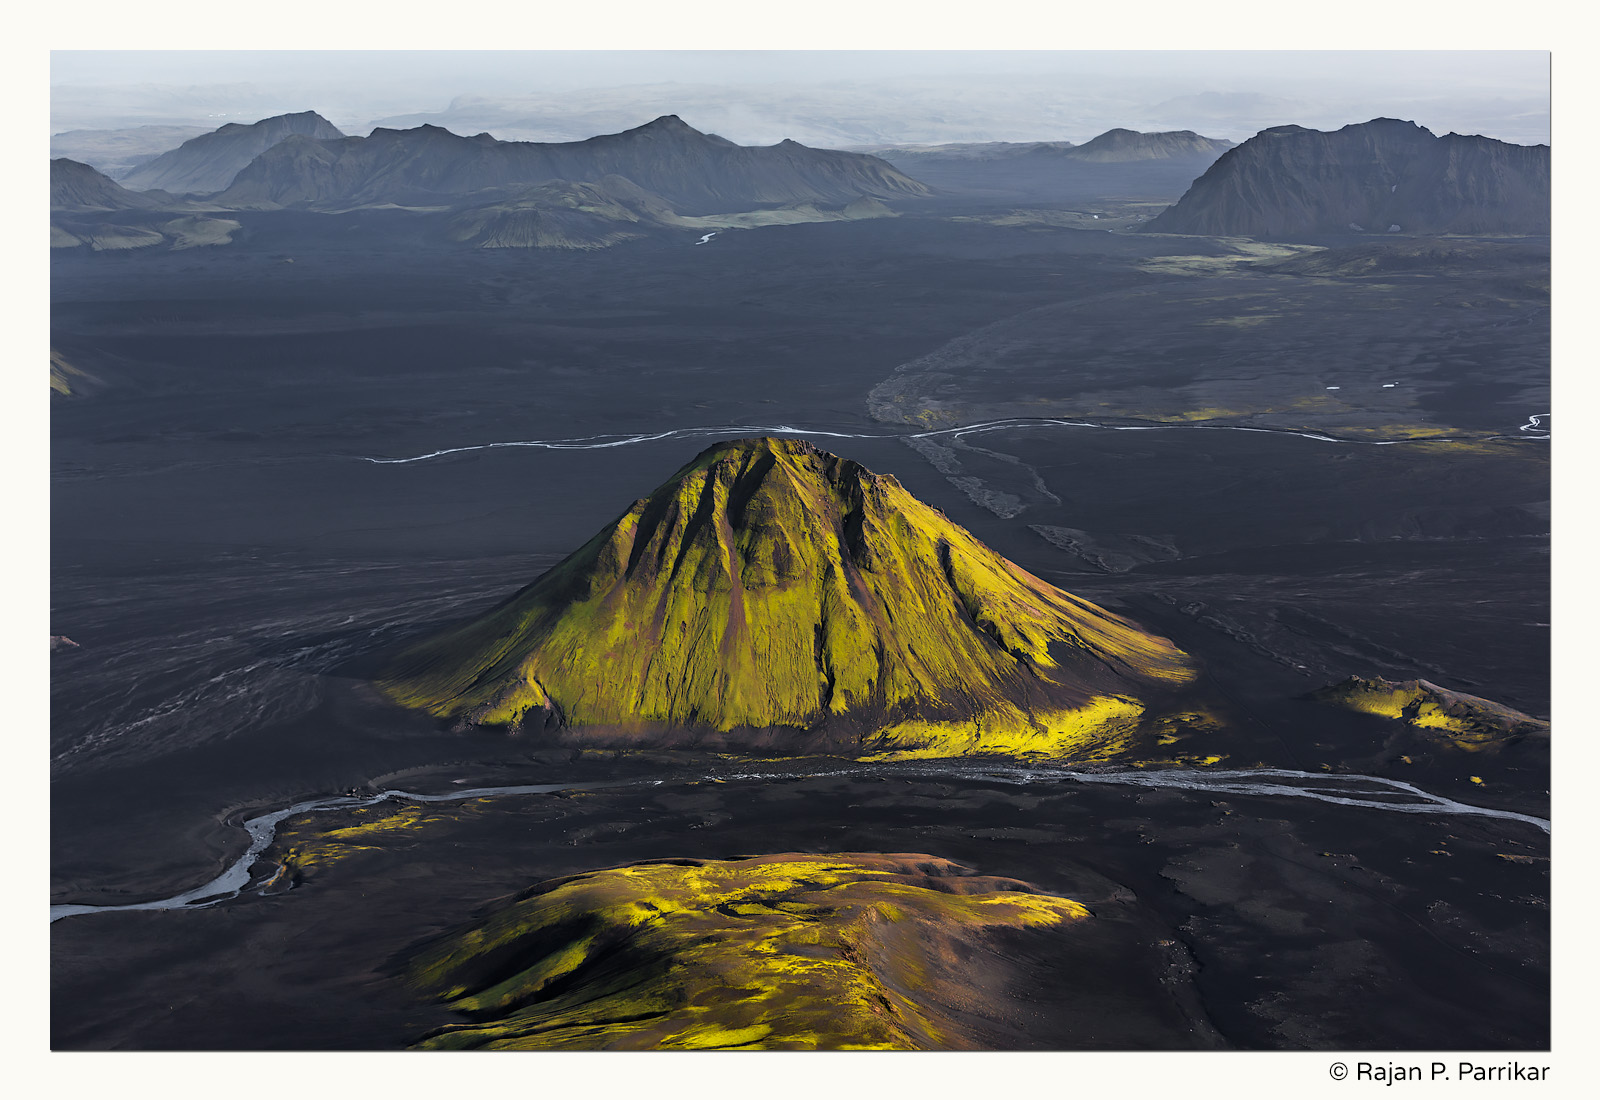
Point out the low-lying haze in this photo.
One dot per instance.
(816, 97)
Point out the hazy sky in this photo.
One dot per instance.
(974, 95)
(1509, 71)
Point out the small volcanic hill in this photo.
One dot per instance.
(78, 188)
(561, 214)
(209, 162)
(1119, 145)
(779, 952)
(694, 172)
(1378, 177)
(773, 595)
(1465, 721)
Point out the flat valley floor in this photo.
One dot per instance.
(298, 451)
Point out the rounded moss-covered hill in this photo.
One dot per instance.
(1455, 718)
(783, 952)
(773, 595)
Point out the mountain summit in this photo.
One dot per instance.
(1381, 176)
(771, 594)
(209, 162)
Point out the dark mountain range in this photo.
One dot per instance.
(696, 173)
(1379, 177)
(78, 188)
(209, 162)
(771, 594)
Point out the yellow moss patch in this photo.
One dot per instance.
(1401, 431)
(305, 846)
(789, 951)
(62, 373)
(1098, 731)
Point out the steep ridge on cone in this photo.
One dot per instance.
(771, 593)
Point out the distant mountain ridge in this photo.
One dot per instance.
(696, 173)
(1112, 147)
(1379, 176)
(1119, 145)
(1118, 164)
(118, 152)
(209, 162)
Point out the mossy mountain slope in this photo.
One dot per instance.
(772, 594)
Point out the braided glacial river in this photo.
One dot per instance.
(1362, 791)
(1534, 429)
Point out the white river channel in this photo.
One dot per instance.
(1532, 430)
(1362, 791)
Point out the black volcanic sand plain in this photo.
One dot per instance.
(232, 567)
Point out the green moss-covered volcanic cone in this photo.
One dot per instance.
(771, 594)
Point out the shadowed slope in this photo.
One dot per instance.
(793, 952)
(770, 588)
(78, 187)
